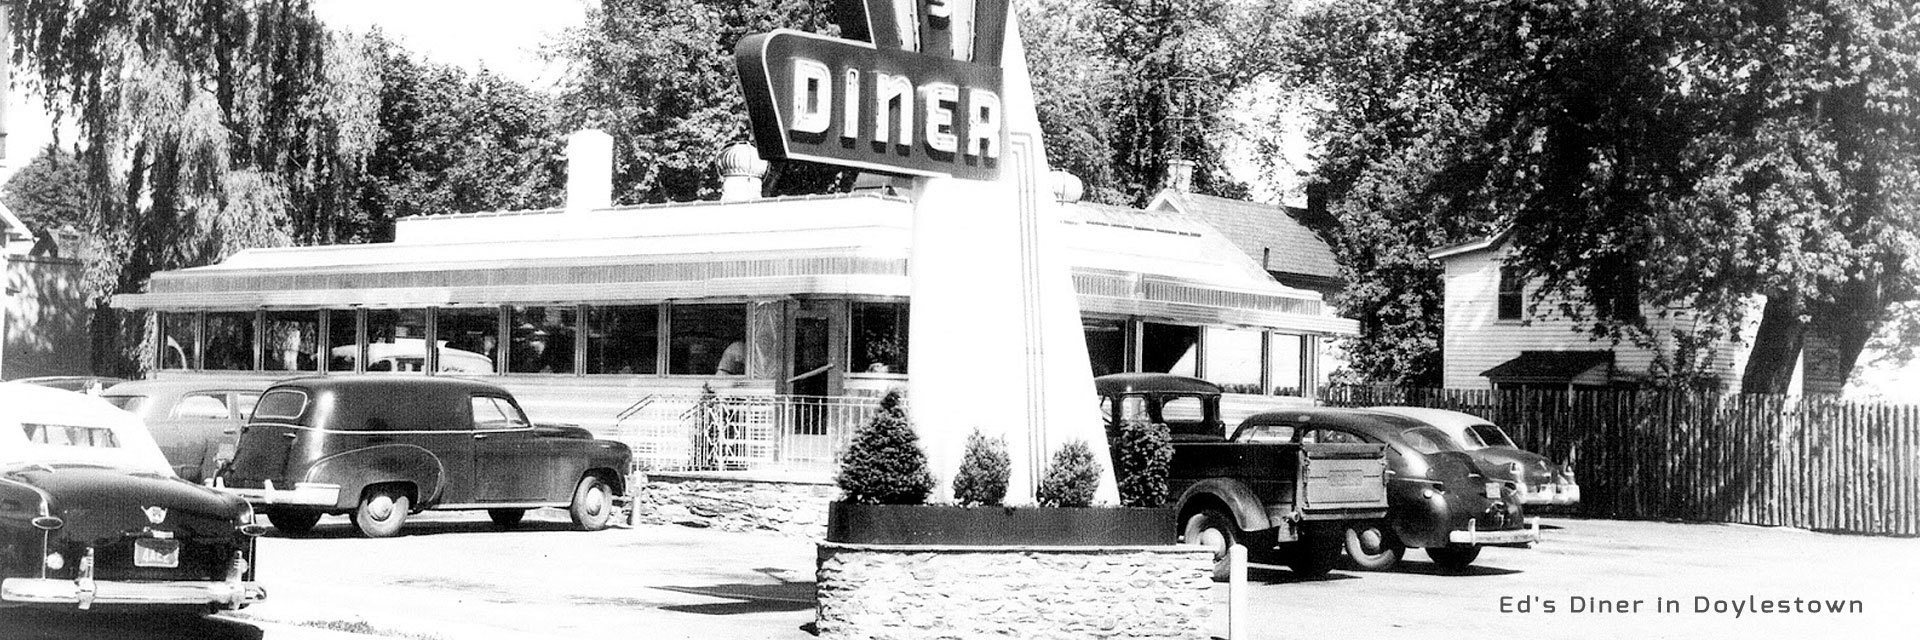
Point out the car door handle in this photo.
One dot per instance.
(290, 435)
(479, 436)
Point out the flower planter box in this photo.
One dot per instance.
(920, 524)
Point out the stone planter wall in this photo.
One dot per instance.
(913, 592)
(787, 505)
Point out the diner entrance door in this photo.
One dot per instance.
(812, 380)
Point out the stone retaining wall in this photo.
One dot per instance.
(923, 592)
(736, 502)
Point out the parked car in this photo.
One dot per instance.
(1286, 502)
(1439, 498)
(196, 420)
(91, 514)
(83, 384)
(382, 447)
(1541, 482)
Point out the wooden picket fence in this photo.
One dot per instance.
(1755, 459)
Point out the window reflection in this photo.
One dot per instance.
(1169, 348)
(177, 347)
(622, 339)
(343, 341)
(467, 338)
(397, 340)
(708, 339)
(229, 341)
(292, 341)
(879, 337)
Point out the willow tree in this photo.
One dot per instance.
(203, 126)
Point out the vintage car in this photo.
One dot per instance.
(381, 447)
(1542, 483)
(1439, 498)
(195, 420)
(91, 514)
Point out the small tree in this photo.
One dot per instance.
(1142, 451)
(1072, 477)
(984, 469)
(884, 463)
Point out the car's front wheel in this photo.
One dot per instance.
(293, 522)
(592, 508)
(382, 511)
(1372, 547)
(1216, 531)
(1454, 556)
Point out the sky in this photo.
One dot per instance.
(502, 36)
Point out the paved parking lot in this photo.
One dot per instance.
(454, 577)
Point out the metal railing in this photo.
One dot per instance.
(711, 432)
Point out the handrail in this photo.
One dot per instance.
(634, 408)
(823, 369)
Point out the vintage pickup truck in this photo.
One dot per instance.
(1287, 503)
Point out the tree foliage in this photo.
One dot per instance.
(1125, 85)
(1647, 154)
(455, 142)
(659, 76)
(1142, 453)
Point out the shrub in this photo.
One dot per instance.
(884, 463)
(1071, 478)
(984, 470)
(1141, 453)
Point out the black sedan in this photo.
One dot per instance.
(1439, 499)
(91, 515)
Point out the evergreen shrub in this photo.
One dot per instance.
(984, 470)
(884, 463)
(1141, 453)
(1071, 478)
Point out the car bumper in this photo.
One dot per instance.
(85, 594)
(308, 494)
(1551, 495)
(1505, 537)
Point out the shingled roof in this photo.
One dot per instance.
(1262, 231)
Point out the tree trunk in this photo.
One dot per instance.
(1776, 346)
(1837, 332)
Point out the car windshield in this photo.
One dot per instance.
(1429, 440)
(1484, 435)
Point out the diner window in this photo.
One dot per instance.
(1106, 344)
(397, 340)
(879, 337)
(543, 341)
(468, 339)
(707, 339)
(1284, 353)
(622, 339)
(179, 335)
(229, 341)
(292, 341)
(1512, 293)
(1169, 348)
(1233, 359)
(343, 340)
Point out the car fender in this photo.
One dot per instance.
(357, 469)
(1247, 509)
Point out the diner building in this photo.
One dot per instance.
(591, 313)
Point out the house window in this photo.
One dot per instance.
(879, 337)
(1512, 287)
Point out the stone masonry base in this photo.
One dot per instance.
(904, 592)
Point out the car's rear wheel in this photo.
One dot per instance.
(1371, 547)
(1215, 530)
(293, 521)
(1317, 550)
(1454, 556)
(382, 511)
(592, 507)
(506, 518)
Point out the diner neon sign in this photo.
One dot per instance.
(875, 102)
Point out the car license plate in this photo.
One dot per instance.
(163, 554)
(1493, 490)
